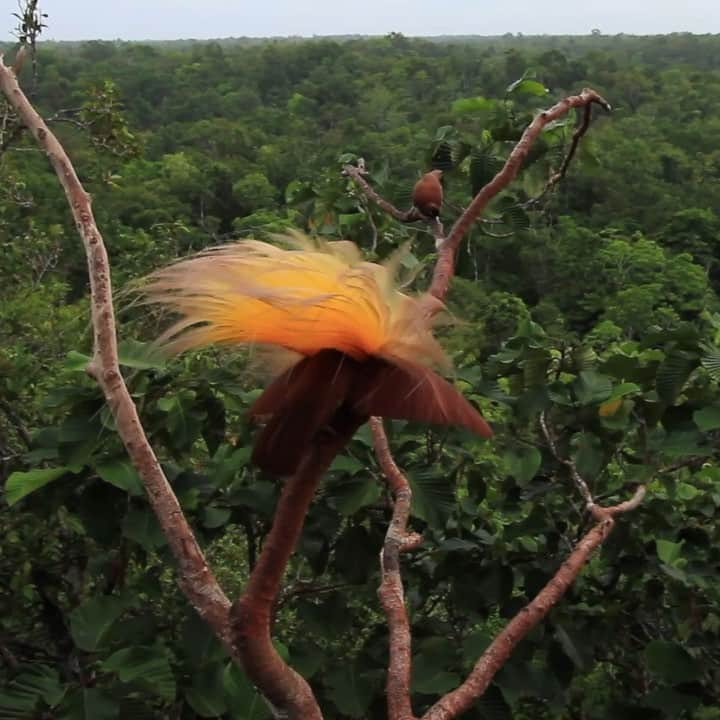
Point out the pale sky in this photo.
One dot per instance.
(172, 19)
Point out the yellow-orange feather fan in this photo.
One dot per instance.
(366, 345)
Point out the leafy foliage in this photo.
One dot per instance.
(594, 304)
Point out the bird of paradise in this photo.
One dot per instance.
(361, 346)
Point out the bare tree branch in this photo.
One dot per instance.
(251, 614)
(445, 265)
(397, 538)
(195, 577)
(391, 591)
(460, 699)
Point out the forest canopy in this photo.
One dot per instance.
(585, 324)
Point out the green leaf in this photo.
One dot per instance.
(214, 516)
(141, 525)
(672, 703)
(346, 464)
(20, 484)
(513, 215)
(523, 463)
(91, 621)
(148, 665)
(483, 168)
(350, 494)
(242, 699)
(350, 691)
(90, 704)
(433, 496)
(432, 665)
(668, 552)
(207, 694)
(708, 418)
(22, 696)
(588, 454)
(473, 106)
(139, 355)
(528, 86)
(592, 387)
(673, 372)
(493, 706)
(681, 443)
(76, 361)
(711, 360)
(671, 662)
(475, 644)
(121, 474)
(624, 389)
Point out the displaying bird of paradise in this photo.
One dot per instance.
(361, 346)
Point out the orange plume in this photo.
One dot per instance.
(427, 195)
(366, 346)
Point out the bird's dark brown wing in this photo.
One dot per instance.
(404, 390)
(302, 400)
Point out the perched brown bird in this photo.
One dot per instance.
(365, 347)
(427, 195)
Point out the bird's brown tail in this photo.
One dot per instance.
(334, 394)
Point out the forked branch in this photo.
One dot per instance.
(447, 252)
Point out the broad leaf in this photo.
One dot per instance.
(708, 418)
(433, 496)
(148, 665)
(350, 691)
(91, 621)
(121, 474)
(673, 373)
(523, 463)
(21, 484)
(671, 662)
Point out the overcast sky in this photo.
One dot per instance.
(168, 19)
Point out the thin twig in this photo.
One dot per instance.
(579, 481)
(16, 422)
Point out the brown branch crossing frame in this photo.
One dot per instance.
(244, 626)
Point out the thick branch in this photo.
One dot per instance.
(251, 615)
(196, 579)
(391, 591)
(445, 265)
(459, 700)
